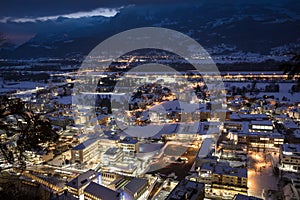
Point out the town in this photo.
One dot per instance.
(157, 135)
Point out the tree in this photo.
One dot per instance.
(21, 130)
(292, 67)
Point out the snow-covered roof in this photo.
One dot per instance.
(206, 147)
(290, 125)
(290, 149)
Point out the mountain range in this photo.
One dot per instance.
(269, 28)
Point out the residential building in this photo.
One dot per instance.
(226, 175)
(262, 141)
(261, 126)
(223, 180)
(186, 189)
(85, 151)
(103, 119)
(257, 141)
(248, 117)
(205, 172)
(136, 189)
(295, 113)
(290, 125)
(129, 145)
(289, 158)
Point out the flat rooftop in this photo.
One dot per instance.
(262, 122)
(232, 171)
(84, 144)
(244, 197)
(290, 149)
(206, 147)
(136, 184)
(112, 151)
(187, 190)
(129, 140)
(101, 192)
(83, 179)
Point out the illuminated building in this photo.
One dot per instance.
(257, 141)
(263, 125)
(112, 155)
(187, 190)
(78, 184)
(205, 152)
(108, 140)
(129, 145)
(223, 180)
(95, 191)
(135, 189)
(289, 158)
(108, 179)
(51, 183)
(85, 151)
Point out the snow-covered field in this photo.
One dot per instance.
(284, 90)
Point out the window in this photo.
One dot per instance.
(295, 167)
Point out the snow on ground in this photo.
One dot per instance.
(284, 89)
(22, 85)
(64, 100)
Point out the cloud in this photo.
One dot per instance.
(105, 12)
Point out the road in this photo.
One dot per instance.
(260, 175)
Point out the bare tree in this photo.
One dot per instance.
(21, 130)
(292, 67)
